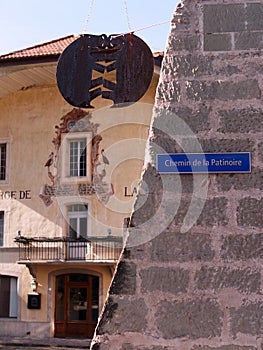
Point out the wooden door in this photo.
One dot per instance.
(77, 305)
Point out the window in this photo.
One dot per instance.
(3, 158)
(78, 220)
(76, 157)
(8, 296)
(1, 228)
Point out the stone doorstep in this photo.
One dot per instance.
(65, 343)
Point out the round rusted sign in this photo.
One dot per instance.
(127, 55)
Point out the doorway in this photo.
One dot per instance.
(77, 305)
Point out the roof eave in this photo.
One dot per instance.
(29, 60)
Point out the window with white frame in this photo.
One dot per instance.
(8, 296)
(1, 228)
(3, 161)
(76, 157)
(77, 220)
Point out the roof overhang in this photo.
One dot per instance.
(21, 74)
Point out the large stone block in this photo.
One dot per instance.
(187, 65)
(183, 43)
(182, 247)
(248, 40)
(260, 151)
(145, 208)
(109, 312)
(123, 315)
(214, 278)
(214, 212)
(224, 18)
(213, 145)
(250, 212)
(169, 91)
(223, 90)
(254, 16)
(225, 68)
(125, 279)
(248, 319)
(166, 123)
(244, 120)
(198, 145)
(150, 196)
(169, 280)
(218, 42)
(242, 247)
(240, 181)
(191, 319)
(202, 212)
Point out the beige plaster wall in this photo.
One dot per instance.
(27, 121)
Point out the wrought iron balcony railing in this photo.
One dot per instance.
(96, 249)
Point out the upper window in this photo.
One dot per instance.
(76, 157)
(8, 296)
(78, 220)
(1, 229)
(3, 161)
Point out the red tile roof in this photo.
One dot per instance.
(51, 48)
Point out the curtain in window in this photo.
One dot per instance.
(8, 296)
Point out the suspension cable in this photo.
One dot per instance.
(88, 16)
(127, 15)
(142, 28)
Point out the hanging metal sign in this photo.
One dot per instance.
(82, 60)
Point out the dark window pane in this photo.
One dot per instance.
(8, 296)
(2, 161)
(60, 298)
(73, 227)
(1, 228)
(95, 298)
(83, 227)
(78, 304)
(82, 160)
(4, 296)
(78, 278)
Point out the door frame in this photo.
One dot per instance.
(52, 291)
(76, 315)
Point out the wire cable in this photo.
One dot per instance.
(142, 28)
(88, 16)
(127, 15)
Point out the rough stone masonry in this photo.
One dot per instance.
(199, 288)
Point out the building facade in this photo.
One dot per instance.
(68, 180)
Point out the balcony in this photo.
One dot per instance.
(95, 249)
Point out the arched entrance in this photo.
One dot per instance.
(77, 305)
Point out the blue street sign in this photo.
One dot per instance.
(189, 163)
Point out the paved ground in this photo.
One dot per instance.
(20, 347)
(48, 344)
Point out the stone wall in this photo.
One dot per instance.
(190, 277)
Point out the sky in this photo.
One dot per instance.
(25, 23)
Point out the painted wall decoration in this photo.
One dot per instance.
(76, 121)
(127, 55)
